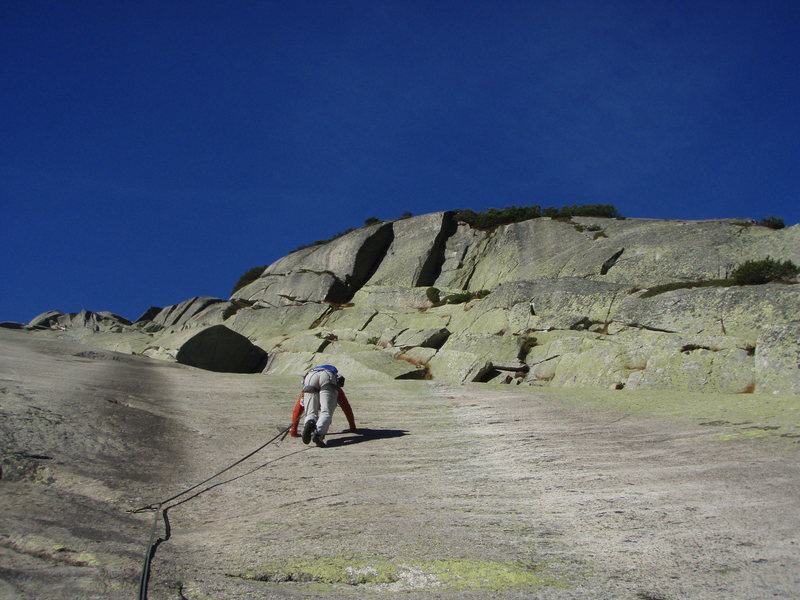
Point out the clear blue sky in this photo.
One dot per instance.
(153, 151)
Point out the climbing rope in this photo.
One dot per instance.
(159, 509)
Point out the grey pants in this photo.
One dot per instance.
(320, 394)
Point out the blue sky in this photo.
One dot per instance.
(154, 151)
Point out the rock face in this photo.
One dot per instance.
(85, 319)
(330, 272)
(566, 306)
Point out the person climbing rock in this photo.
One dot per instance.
(322, 392)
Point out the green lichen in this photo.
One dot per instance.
(491, 576)
(87, 559)
(398, 574)
(766, 417)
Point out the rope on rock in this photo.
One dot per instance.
(159, 509)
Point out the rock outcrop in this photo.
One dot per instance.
(561, 304)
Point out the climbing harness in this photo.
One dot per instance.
(160, 509)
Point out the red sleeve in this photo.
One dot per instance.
(296, 414)
(348, 412)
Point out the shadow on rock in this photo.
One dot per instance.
(365, 435)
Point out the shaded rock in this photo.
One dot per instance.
(150, 314)
(85, 319)
(464, 249)
(179, 314)
(417, 252)
(332, 271)
(45, 320)
(466, 357)
(221, 349)
(515, 365)
(426, 338)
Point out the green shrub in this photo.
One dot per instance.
(590, 210)
(772, 222)
(494, 217)
(459, 298)
(248, 276)
(599, 234)
(551, 212)
(683, 285)
(755, 272)
(234, 307)
(462, 297)
(371, 221)
(433, 295)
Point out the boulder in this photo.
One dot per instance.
(218, 348)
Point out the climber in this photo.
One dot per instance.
(322, 390)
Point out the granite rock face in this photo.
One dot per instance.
(193, 310)
(562, 304)
(330, 272)
(85, 319)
